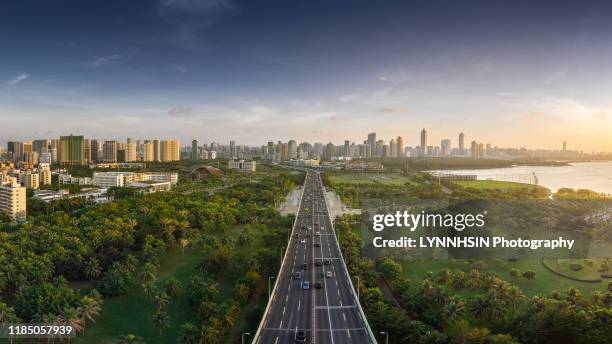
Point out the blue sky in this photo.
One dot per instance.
(512, 73)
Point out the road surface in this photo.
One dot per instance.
(329, 313)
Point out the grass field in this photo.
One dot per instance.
(370, 178)
(544, 282)
(133, 313)
(493, 184)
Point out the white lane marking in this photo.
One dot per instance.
(299, 304)
(284, 308)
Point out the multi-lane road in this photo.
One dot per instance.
(313, 300)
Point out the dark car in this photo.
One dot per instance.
(300, 337)
(319, 285)
(317, 244)
(297, 275)
(319, 262)
(305, 266)
(327, 262)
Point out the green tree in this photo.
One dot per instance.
(161, 320)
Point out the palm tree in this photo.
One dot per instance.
(453, 310)
(514, 273)
(438, 296)
(514, 296)
(529, 274)
(172, 286)
(7, 314)
(161, 300)
(188, 334)
(131, 263)
(149, 289)
(149, 272)
(71, 317)
(230, 314)
(131, 339)
(446, 277)
(161, 320)
(459, 280)
(90, 308)
(93, 269)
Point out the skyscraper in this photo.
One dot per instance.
(400, 147)
(424, 141)
(445, 147)
(292, 147)
(392, 149)
(372, 142)
(461, 143)
(95, 151)
(130, 152)
(147, 152)
(564, 146)
(71, 150)
(170, 150)
(109, 151)
(194, 149)
(156, 150)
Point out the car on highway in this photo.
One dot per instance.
(319, 285)
(327, 262)
(305, 266)
(300, 336)
(317, 244)
(303, 241)
(318, 233)
(319, 262)
(328, 274)
(297, 275)
(306, 285)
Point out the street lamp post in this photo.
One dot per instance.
(386, 337)
(245, 334)
(270, 278)
(357, 287)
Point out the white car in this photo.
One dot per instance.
(328, 274)
(303, 241)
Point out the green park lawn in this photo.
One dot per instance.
(370, 178)
(492, 184)
(543, 283)
(133, 313)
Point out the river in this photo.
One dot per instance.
(596, 176)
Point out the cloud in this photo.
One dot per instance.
(394, 109)
(19, 78)
(191, 16)
(348, 98)
(107, 60)
(179, 111)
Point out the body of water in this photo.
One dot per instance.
(596, 176)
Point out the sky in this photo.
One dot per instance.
(510, 73)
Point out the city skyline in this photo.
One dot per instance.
(223, 70)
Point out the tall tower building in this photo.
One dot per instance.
(156, 150)
(130, 152)
(292, 147)
(170, 150)
(564, 146)
(445, 147)
(109, 151)
(95, 151)
(194, 150)
(71, 150)
(462, 143)
(400, 147)
(372, 140)
(392, 149)
(147, 152)
(424, 141)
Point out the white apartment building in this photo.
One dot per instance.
(13, 199)
(242, 166)
(112, 179)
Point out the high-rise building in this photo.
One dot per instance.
(564, 146)
(292, 149)
(445, 147)
(41, 146)
(170, 150)
(109, 151)
(372, 140)
(13, 199)
(95, 151)
(233, 151)
(87, 151)
(392, 149)
(424, 141)
(71, 150)
(147, 152)
(194, 150)
(130, 152)
(156, 150)
(400, 147)
(462, 143)
(29, 180)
